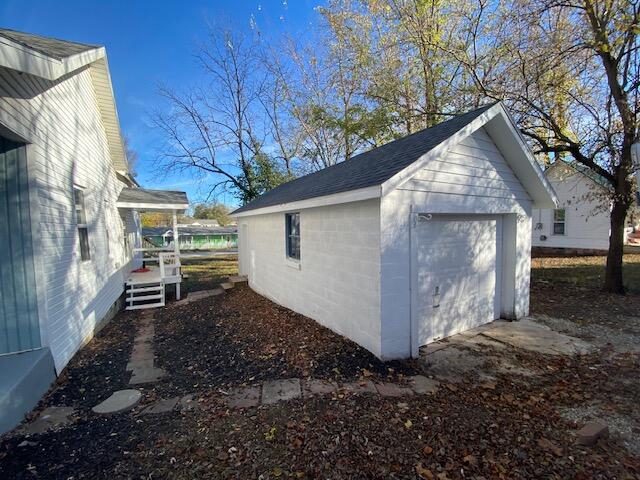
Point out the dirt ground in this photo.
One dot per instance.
(512, 426)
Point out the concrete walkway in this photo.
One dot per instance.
(272, 392)
(488, 350)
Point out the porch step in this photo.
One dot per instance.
(145, 289)
(135, 301)
(24, 379)
(145, 297)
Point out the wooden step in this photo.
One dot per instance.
(141, 298)
(145, 289)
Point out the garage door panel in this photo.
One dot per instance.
(457, 261)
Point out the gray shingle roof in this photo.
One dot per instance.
(153, 197)
(366, 169)
(52, 47)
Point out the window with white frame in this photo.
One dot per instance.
(292, 221)
(559, 221)
(81, 223)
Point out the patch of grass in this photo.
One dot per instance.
(206, 273)
(583, 272)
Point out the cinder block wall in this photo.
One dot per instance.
(337, 281)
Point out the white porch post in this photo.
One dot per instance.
(176, 248)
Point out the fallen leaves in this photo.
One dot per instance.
(549, 446)
(270, 435)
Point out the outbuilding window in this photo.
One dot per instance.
(292, 221)
(559, 219)
(81, 223)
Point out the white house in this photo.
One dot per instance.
(413, 241)
(581, 221)
(67, 237)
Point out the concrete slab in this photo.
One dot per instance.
(120, 401)
(318, 387)
(50, 418)
(139, 365)
(451, 363)
(146, 375)
(278, 390)
(238, 279)
(392, 390)
(538, 338)
(365, 386)
(188, 403)
(24, 378)
(142, 351)
(478, 341)
(162, 406)
(227, 285)
(422, 385)
(246, 397)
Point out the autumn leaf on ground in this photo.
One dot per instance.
(270, 435)
(424, 472)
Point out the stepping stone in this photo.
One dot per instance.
(279, 390)
(143, 338)
(139, 365)
(388, 389)
(318, 387)
(120, 401)
(227, 285)
(146, 375)
(195, 296)
(244, 397)
(188, 403)
(142, 351)
(421, 384)
(238, 279)
(365, 386)
(591, 432)
(51, 417)
(162, 406)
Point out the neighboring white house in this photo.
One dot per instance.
(581, 221)
(66, 244)
(413, 241)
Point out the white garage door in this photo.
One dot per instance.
(458, 269)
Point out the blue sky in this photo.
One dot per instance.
(149, 43)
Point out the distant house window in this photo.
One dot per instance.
(559, 219)
(81, 222)
(293, 235)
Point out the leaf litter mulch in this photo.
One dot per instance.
(242, 338)
(509, 427)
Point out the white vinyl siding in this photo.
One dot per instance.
(474, 167)
(586, 208)
(472, 177)
(69, 147)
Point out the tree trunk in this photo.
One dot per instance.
(613, 274)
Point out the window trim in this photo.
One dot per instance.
(562, 222)
(80, 213)
(288, 236)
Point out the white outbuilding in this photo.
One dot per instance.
(408, 243)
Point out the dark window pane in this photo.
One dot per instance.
(558, 228)
(83, 236)
(292, 225)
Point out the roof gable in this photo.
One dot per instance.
(379, 171)
(51, 59)
(52, 47)
(367, 169)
